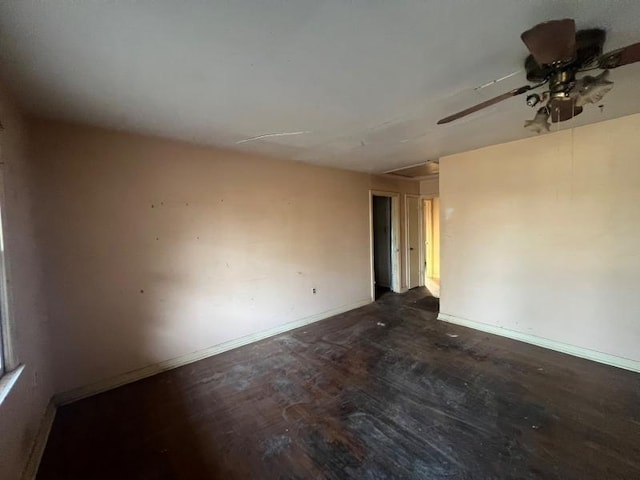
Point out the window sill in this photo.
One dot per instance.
(8, 380)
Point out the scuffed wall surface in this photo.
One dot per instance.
(541, 236)
(156, 249)
(22, 411)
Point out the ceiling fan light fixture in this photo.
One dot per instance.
(562, 109)
(540, 123)
(593, 89)
(533, 99)
(556, 53)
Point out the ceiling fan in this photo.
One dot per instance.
(558, 54)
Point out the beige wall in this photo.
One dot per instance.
(157, 249)
(22, 410)
(430, 187)
(388, 184)
(541, 236)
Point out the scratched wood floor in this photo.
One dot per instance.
(413, 398)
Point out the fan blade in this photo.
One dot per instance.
(622, 56)
(485, 104)
(589, 45)
(552, 42)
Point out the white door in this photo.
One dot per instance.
(413, 241)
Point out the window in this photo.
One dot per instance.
(4, 347)
(6, 358)
(3, 316)
(7, 361)
(9, 370)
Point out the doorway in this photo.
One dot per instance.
(414, 251)
(384, 243)
(381, 244)
(431, 219)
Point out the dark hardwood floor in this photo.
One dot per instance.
(385, 391)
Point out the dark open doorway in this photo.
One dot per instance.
(382, 244)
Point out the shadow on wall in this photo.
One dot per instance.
(158, 428)
(157, 249)
(247, 413)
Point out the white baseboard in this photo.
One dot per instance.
(132, 376)
(581, 352)
(31, 468)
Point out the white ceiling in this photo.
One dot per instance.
(364, 80)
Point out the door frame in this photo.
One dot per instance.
(421, 252)
(395, 240)
(427, 216)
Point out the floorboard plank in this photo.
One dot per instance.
(384, 391)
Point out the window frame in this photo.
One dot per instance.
(10, 369)
(8, 361)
